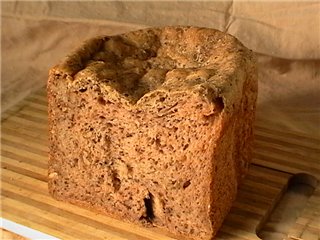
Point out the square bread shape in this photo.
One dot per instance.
(154, 127)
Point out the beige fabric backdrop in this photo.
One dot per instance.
(35, 35)
(281, 29)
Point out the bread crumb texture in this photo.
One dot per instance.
(154, 127)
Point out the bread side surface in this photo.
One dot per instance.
(153, 127)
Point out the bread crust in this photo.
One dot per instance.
(154, 127)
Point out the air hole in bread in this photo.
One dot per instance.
(148, 203)
(219, 103)
(130, 169)
(74, 162)
(82, 90)
(185, 146)
(116, 182)
(101, 101)
(186, 184)
(162, 99)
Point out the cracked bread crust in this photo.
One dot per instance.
(137, 63)
(154, 127)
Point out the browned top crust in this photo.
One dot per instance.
(136, 65)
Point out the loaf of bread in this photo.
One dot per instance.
(154, 127)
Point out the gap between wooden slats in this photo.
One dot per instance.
(250, 186)
(269, 175)
(315, 199)
(28, 160)
(282, 151)
(242, 220)
(43, 113)
(299, 164)
(26, 103)
(68, 209)
(74, 229)
(23, 165)
(294, 143)
(313, 223)
(264, 180)
(21, 123)
(25, 130)
(39, 106)
(310, 212)
(41, 110)
(300, 230)
(229, 236)
(25, 182)
(20, 144)
(22, 136)
(24, 153)
(253, 198)
(41, 92)
(249, 206)
(38, 99)
(267, 128)
(43, 117)
(235, 232)
(313, 202)
(24, 171)
(277, 164)
(30, 118)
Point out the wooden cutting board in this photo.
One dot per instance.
(25, 200)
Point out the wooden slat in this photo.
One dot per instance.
(23, 136)
(37, 114)
(21, 164)
(311, 167)
(236, 233)
(285, 152)
(268, 127)
(38, 99)
(31, 146)
(26, 172)
(22, 153)
(293, 143)
(30, 160)
(25, 130)
(39, 106)
(28, 123)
